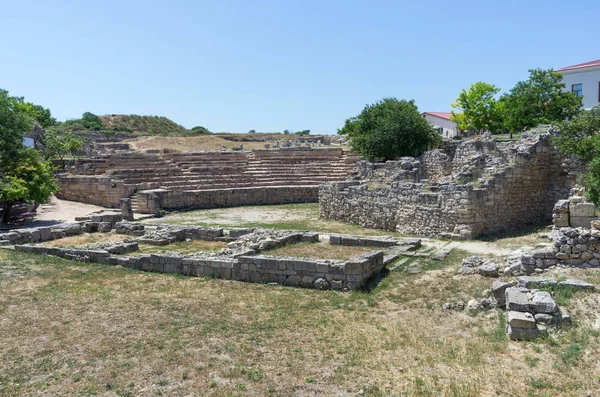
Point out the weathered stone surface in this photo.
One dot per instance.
(535, 282)
(488, 270)
(517, 299)
(542, 302)
(582, 210)
(525, 334)
(577, 284)
(520, 319)
(499, 292)
(126, 209)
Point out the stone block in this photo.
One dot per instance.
(542, 302)
(526, 334)
(582, 210)
(517, 299)
(499, 291)
(561, 220)
(520, 319)
(581, 221)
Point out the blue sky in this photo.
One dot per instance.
(274, 65)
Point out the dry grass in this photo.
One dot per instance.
(319, 250)
(182, 247)
(86, 238)
(201, 143)
(283, 216)
(192, 143)
(70, 328)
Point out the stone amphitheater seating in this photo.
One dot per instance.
(135, 172)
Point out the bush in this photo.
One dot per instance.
(581, 136)
(390, 129)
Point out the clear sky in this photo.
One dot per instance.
(278, 64)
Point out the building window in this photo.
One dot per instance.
(577, 89)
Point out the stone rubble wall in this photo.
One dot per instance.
(489, 187)
(320, 274)
(152, 201)
(577, 247)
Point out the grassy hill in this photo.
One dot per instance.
(152, 125)
(123, 124)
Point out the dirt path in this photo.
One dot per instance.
(65, 211)
(484, 248)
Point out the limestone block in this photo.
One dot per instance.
(561, 220)
(582, 210)
(517, 299)
(542, 302)
(520, 319)
(581, 221)
(523, 333)
(499, 291)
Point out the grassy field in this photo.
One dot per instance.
(79, 329)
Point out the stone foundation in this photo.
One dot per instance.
(320, 274)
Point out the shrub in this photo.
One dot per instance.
(390, 129)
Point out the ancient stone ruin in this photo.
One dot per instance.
(156, 181)
(467, 189)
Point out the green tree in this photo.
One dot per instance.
(59, 145)
(477, 108)
(200, 130)
(24, 175)
(390, 129)
(581, 136)
(38, 113)
(541, 99)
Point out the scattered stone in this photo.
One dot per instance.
(499, 292)
(520, 319)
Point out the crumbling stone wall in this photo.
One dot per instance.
(486, 187)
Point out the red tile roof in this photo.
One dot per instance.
(581, 65)
(441, 115)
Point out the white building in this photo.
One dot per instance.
(583, 80)
(441, 121)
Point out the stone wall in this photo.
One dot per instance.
(486, 187)
(98, 190)
(152, 201)
(320, 274)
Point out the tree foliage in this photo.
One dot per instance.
(38, 113)
(541, 99)
(390, 129)
(477, 108)
(60, 145)
(24, 175)
(581, 136)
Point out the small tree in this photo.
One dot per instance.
(477, 108)
(58, 146)
(24, 175)
(541, 99)
(581, 136)
(390, 129)
(200, 130)
(252, 132)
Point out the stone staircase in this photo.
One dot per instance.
(221, 170)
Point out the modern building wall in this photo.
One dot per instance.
(448, 127)
(589, 78)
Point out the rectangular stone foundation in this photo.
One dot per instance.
(306, 273)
